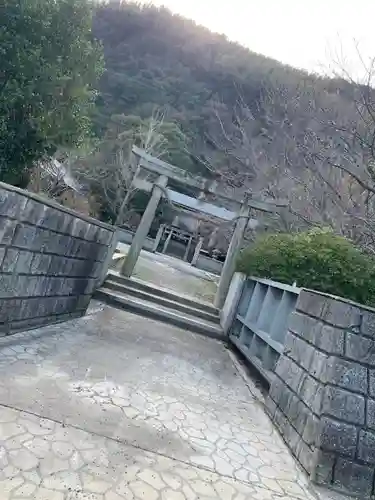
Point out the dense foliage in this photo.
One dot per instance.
(317, 260)
(48, 67)
(253, 123)
(154, 58)
(259, 125)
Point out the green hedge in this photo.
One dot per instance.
(315, 259)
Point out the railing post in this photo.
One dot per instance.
(230, 260)
(197, 250)
(158, 238)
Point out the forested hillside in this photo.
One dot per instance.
(82, 81)
(261, 125)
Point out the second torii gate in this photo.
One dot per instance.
(159, 189)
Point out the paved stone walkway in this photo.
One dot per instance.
(114, 406)
(169, 272)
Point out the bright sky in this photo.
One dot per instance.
(303, 33)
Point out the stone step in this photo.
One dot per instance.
(163, 292)
(162, 301)
(162, 313)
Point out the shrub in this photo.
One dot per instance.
(315, 259)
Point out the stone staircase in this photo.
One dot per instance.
(160, 303)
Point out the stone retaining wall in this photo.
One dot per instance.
(51, 260)
(322, 399)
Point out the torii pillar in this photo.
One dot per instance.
(230, 260)
(144, 227)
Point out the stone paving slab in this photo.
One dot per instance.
(150, 401)
(42, 460)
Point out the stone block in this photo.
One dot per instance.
(101, 253)
(289, 372)
(80, 268)
(367, 327)
(33, 212)
(372, 383)
(72, 303)
(40, 264)
(311, 430)
(27, 237)
(67, 226)
(305, 455)
(370, 414)
(338, 437)
(291, 437)
(92, 232)
(7, 230)
(348, 374)
(303, 326)
(276, 389)
(83, 302)
(2, 255)
(286, 395)
(72, 286)
(75, 268)
(6, 307)
(50, 241)
(353, 477)
(360, 348)
(24, 261)
(104, 236)
(344, 405)
(30, 286)
(270, 405)
(9, 263)
(40, 289)
(61, 305)
(319, 365)
(366, 446)
(51, 219)
(78, 286)
(74, 247)
(342, 314)
(323, 467)
(309, 391)
(8, 286)
(311, 303)
(65, 243)
(83, 250)
(11, 309)
(298, 350)
(11, 203)
(298, 414)
(28, 308)
(53, 286)
(56, 266)
(90, 287)
(96, 270)
(331, 340)
(289, 434)
(45, 307)
(79, 228)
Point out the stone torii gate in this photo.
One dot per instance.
(164, 171)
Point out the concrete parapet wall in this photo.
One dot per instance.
(322, 399)
(51, 260)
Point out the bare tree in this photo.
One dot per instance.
(111, 167)
(345, 146)
(274, 149)
(52, 178)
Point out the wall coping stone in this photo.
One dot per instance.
(339, 299)
(57, 206)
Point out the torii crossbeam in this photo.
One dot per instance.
(159, 189)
